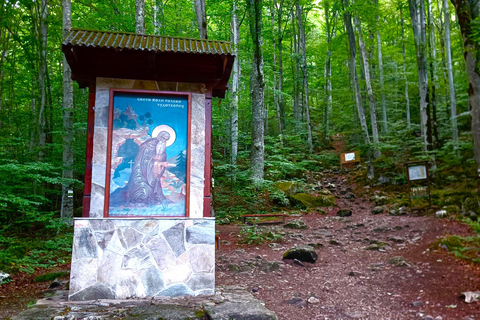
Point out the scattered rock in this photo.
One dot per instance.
(314, 201)
(396, 239)
(298, 262)
(4, 278)
(305, 254)
(380, 229)
(379, 199)
(378, 210)
(354, 274)
(55, 284)
(397, 210)
(349, 195)
(296, 224)
(417, 303)
(297, 302)
(355, 314)
(376, 246)
(471, 296)
(428, 317)
(344, 213)
(441, 214)
(270, 266)
(323, 233)
(313, 300)
(334, 242)
(398, 261)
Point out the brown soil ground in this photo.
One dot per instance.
(349, 281)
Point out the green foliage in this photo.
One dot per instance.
(51, 276)
(467, 248)
(258, 235)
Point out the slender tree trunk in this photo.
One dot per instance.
(417, 16)
(467, 11)
(274, 69)
(302, 45)
(281, 101)
(328, 72)
(67, 103)
(451, 84)
(158, 17)
(201, 18)
(368, 83)
(407, 99)
(140, 16)
(433, 72)
(353, 72)
(297, 107)
(380, 70)
(42, 79)
(257, 86)
(235, 83)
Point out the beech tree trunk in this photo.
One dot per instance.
(451, 84)
(257, 87)
(380, 71)
(407, 99)
(328, 71)
(297, 107)
(281, 101)
(467, 11)
(368, 83)
(140, 16)
(67, 103)
(433, 73)
(417, 16)
(42, 79)
(347, 17)
(201, 18)
(274, 69)
(303, 66)
(235, 83)
(158, 17)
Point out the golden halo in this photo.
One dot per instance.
(171, 132)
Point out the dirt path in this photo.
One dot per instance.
(348, 281)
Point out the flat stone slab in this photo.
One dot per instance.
(227, 303)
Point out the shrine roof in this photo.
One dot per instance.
(132, 41)
(93, 54)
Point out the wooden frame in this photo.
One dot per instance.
(423, 164)
(141, 94)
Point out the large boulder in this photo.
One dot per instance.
(315, 201)
(305, 254)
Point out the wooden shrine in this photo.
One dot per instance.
(146, 229)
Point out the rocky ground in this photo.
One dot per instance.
(368, 267)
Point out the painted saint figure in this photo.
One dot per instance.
(145, 186)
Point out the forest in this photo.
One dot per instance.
(397, 80)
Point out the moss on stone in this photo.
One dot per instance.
(315, 201)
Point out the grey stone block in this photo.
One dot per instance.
(199, 235)
(202, 281)
(152, 281)
(132, 237)
(94, 292)
(84, 244)
(161, 252)
(137, 259)
(175, 237)
(176, 290)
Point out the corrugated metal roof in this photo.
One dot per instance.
(118, 40)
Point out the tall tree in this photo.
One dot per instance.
(257, 86)
(432, 52)
(417, 17)
(330, 30)
(407, 98)
(467, 12)
(42, 79)
(158, 17)
(451, 84)
(380, 71)
(201, 18)
(303, 66)
(235, 25)
(368, 83)
(347, 17)
(279, 38)
(140, 16)
(67, 103)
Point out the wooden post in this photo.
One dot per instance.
(87, 191)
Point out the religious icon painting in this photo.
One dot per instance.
(148, 154)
